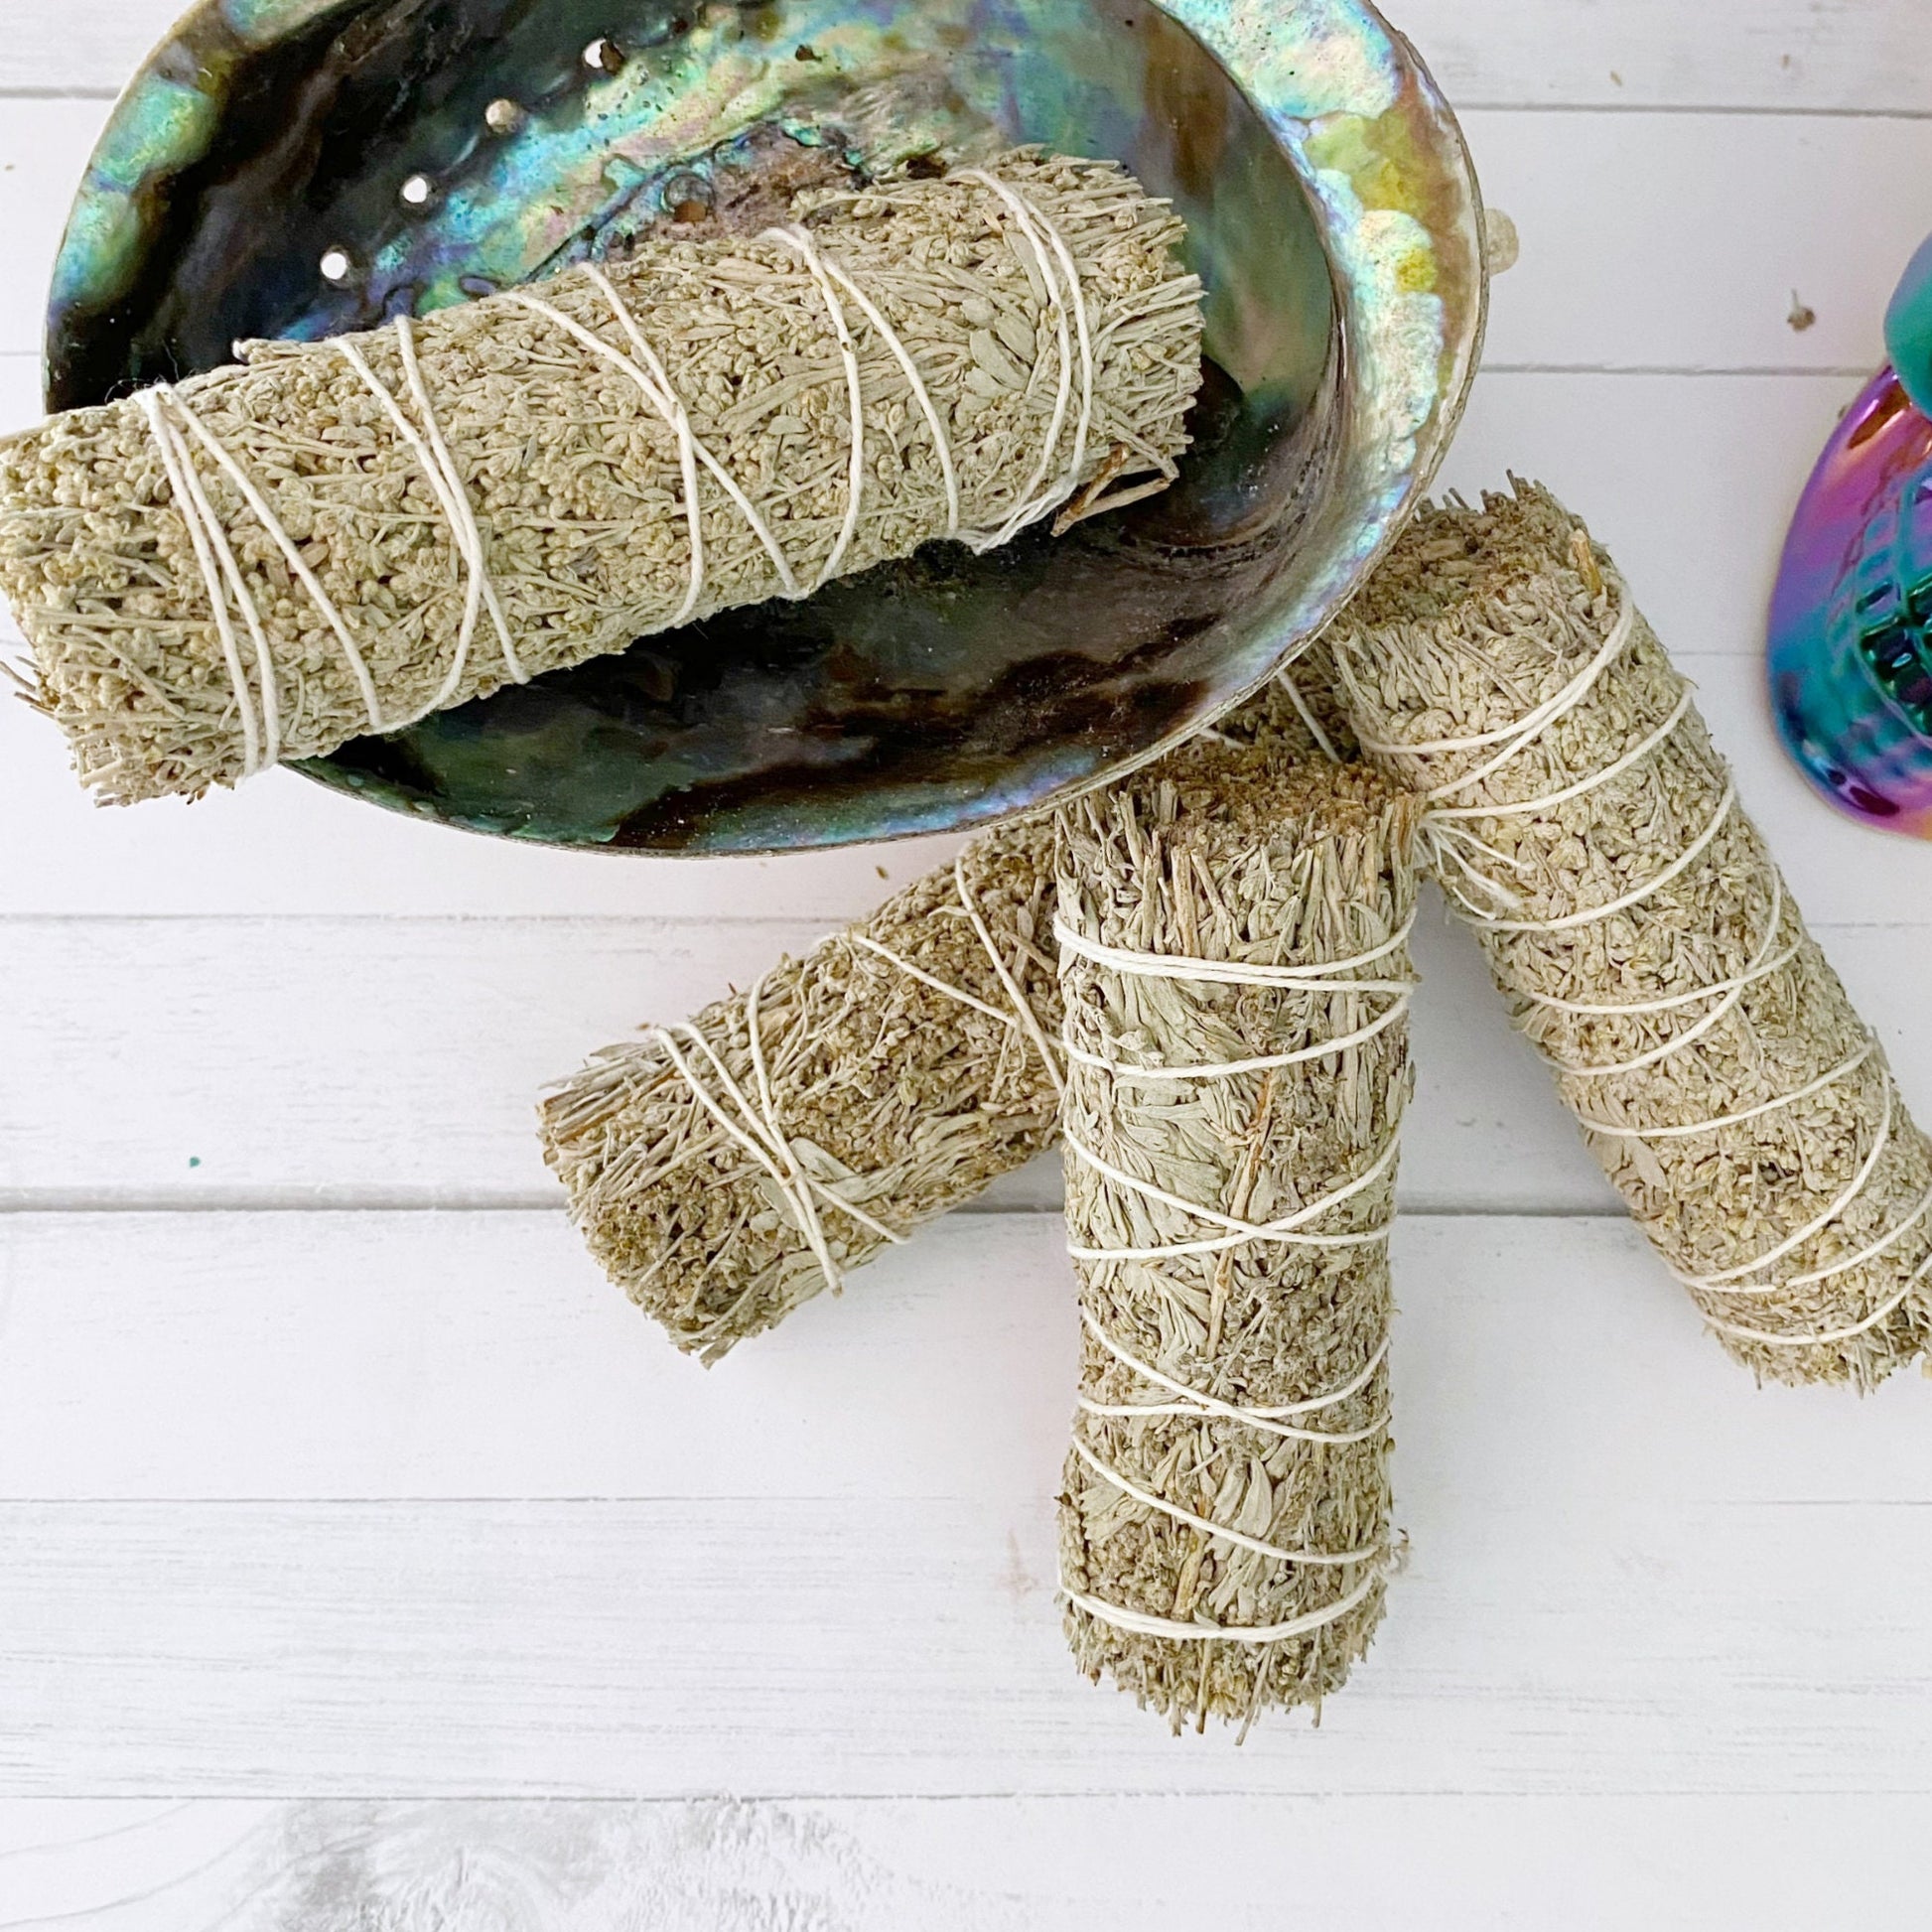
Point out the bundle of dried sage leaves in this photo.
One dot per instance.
(1593, 838)
(1234, 956)
(339, 538)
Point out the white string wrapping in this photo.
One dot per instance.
(761, 1135)
(1525, 730)
(800, 241)
(1744, 1291)
(452, 497)
(1305, 712)
(1639, 895)
(1219, 1532)
(1715, 1283)
(221, 575)
(1286, 1232)
(1045, 239)
(1446, 823)
(1277, 1421)
(1269, 1422)
(648, 373)
(1766, 1338)
(755, 1126)
(1136, 1624)
(1233, 1070)
(1216, 972)
(157, 403)
(205, 533)
(1764, 966)
(934, 422)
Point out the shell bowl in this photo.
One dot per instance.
(298, 167)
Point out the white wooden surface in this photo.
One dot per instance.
(364, 1560)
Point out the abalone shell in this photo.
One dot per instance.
(298, 168)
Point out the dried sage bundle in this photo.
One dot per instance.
(726, 1172)
(1594, 840)
(1235, 969)
(339, 538)
(903, 1068)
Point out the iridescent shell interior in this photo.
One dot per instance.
(298, 168)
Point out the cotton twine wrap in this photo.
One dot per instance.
(341, 538)
(1593, 838)
(726, 1172)
(910, 1064)
(1236, 978)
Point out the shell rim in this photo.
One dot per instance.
(1442, 147)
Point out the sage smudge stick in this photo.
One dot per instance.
(339, 538)
(1236, 979)
(726, 1172)
(1593, 838)
(902, 1067)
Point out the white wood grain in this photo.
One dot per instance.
(1678, 241)
(1691, 482)
(360, 1510)
(380, 1062)
(1649, 241)
(1803, 55)
(20, 390)
(788, 1646)
(393, 1357)
(216, 1064)
(826, 1568)
(990, 1864)
(1646, 459)
(206, 1064)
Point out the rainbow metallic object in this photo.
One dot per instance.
(1850, 654)
(295, 168)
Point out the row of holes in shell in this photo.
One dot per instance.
(502, 117)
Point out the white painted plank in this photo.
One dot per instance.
(20, 390)
(1678, 241)
(209, 1062)
(1807, 55)
(43, 150)
(1668, 241)
(204, 1063)
(1803, 55)
(130, 1866)
(779, 1647)
(217, 1063)
(1843, 871)
(1690, 479)
(94, 46)
(386, 1356)
(285, 846)
(395, 1358)
(988, 1864)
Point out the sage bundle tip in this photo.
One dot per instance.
(337, 539)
